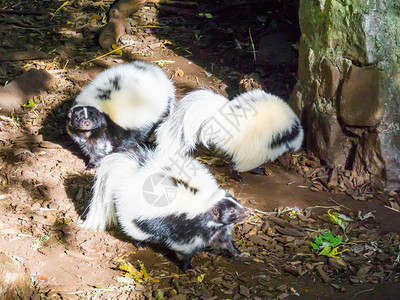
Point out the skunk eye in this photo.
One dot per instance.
(232, 211)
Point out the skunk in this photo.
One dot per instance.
(119, 109)
(253, 128)
(98, 135)
(169, 200)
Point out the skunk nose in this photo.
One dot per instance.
(87, 123)
(247, 213)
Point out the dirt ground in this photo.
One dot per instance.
(44, 190)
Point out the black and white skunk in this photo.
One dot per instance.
(119, 109)
(168, 200)
(253, 128)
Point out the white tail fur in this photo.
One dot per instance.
(254, 128)
(179, 133)
(101, 212)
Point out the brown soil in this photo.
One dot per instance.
(44, 192)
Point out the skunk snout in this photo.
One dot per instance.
(243, 214)
(87, 124)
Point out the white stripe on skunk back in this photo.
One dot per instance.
(148, 187)
(134, 95)
(253, 128)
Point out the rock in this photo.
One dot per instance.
(14, 279)
(337, 263)
(361, 104)
(20, 90)
(330, 79)
(325, 137)
(368, 160)
(353, 90)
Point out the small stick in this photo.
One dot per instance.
(339, 204)
(252, 45)
(396, 210)
(108, 53)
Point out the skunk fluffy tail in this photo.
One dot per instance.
(101, 210)
(181, 131)
(253, 128)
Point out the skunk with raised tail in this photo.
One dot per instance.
(119, 109)
(169, 200)
(253, 128)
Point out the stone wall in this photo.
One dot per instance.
(348, 92)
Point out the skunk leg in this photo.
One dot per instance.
(258, 171)
(224, 241)
(184, 260)
(236, 176)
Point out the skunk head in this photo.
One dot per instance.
(85, 118)
(229, 211)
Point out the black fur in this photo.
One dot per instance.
(176, 182)
(115, 83)
(212, 227)
(98, 135)
(286, 136)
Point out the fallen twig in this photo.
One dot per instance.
(396, 210)
(363, 291)
(108, 53)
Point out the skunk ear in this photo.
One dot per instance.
(69, 114)
(216, 211)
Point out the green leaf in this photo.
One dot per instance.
(326, 240)
(159, 295)
(362, 217)
(200, 278)
(339, 219)
(206, 15)
(29, 104)
(162, 62)
(325, 251)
